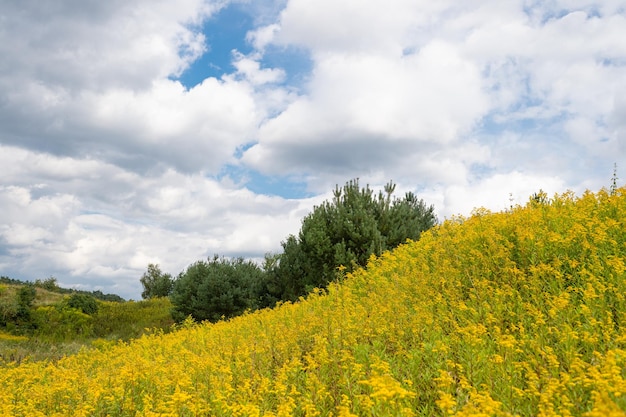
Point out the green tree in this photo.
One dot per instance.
(25, 298)
(268, 289)
(49, 284)
(346, 231)
(83, 302)
(156, 283)
(217, 288)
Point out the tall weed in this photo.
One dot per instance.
(514, 313)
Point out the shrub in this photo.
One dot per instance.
(83, 302)
(215, 289)
(49, 284)
(61, 323)
(132, 319)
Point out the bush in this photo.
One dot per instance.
(8, 310)
(61, 323)
(25, 298)
(131, 319)
(49, 284)
(216, 289)
(83, 302)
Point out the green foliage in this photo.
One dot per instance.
(60, 329)
(15, 312)
(61, 323)
(156, 283)
(16, 305)
(103, 297)
(346, 232)
(83, 302)
(216, 289)
(519, 313)
(8, 305)
(131, 319)
(53, 325)
(49, 284)
(25, 298)
(11, 281)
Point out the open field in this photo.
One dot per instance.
(514, 313)
(55, 331)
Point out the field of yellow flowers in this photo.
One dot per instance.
(515, 313)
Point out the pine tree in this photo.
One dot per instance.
(345, 232)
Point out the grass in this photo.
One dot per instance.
(54, 331)
(8, 293)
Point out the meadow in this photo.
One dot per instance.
(54, 330)
(521, 312)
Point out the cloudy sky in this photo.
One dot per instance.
(165, 131)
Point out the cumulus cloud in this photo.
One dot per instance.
(497, 192)
(110, 162)
(194, 130)
(96, 45)
(92, 222)
(250, 68)
(95, 79)
(373, 110)
(370, 26)
(423, 80)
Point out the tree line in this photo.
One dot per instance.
(335, 238)
(51, 284)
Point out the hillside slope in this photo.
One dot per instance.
(43, 297)
(515, 313)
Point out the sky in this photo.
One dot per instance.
(166, 131)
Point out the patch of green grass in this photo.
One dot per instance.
(53, 329)
(17, 349)
(45, 297)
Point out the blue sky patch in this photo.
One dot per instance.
(296, 62)
(285, 187)
(225, 32)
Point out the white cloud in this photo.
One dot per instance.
(498, 192)
(191, 130)
(250, 68)
(263, 36)
(399, 106)
(420, 81)
(94, 81)
(110, 164)
(92, 45)
(327, 26)
(102, 226)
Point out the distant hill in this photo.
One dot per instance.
(520, 313)
(50, 285)
(43, 296)
(49, 323)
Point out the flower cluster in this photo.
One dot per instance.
(515, 313)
